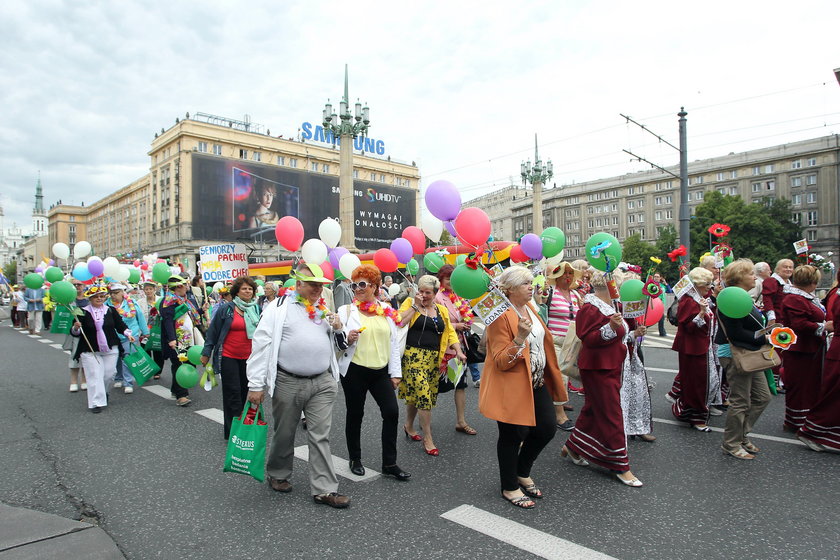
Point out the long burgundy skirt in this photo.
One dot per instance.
(801, 374)
(823, 421)
(691, 404)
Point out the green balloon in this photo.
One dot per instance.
(413, 267)
(460, 259)
(607, 251)
(469, 283)
(53, 274)
(553, 241)
(194, 354)
(33, 280)
(290, 283)
(631, 290)
(161, 273)
(432, 262)
(208, 289)
(734, 302)
(133, 275)
(186, 376)
(260, 282)
(63, 292)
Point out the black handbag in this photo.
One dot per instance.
(474, 356)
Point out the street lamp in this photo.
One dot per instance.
(537, 176)
(344, 128)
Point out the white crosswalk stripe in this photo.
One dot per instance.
(720, 430)
(342, 467)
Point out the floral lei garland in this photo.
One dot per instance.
(311, 309)
(374, 308)
(462, 305)
(132, 309)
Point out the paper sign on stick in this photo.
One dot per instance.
(633, 309)
(490, 307)
(800, 246)
(683, 287)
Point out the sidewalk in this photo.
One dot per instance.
(27, 534)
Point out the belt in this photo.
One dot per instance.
(296, 376)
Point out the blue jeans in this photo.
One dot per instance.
(474, 371)
(123, 375)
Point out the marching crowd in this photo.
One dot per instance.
(293, 346)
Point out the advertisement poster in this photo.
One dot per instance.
(224, 262)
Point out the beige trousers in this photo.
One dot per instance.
(749, 395)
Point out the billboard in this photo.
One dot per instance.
(235, 199)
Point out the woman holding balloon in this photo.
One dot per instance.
(177, 319)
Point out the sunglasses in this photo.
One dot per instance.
(361, 285)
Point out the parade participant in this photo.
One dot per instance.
(461, 317)
(177, 320)
(599, 434)
(22, 308)
(202, 318)
(803, 362)
(762, 272)
(698, 367)
(132, 316)
(663, 286)
(228, 343)
(269, 296)
(49, 306)
(14, 303)
(828, 300)
(34, 309)
(772, 290)
(586, 271)
(342, 294)
(371, 363)
(749, 393)
(430, 337)
(149, 305)
(71, 343)
(99, 348)
(520, 382)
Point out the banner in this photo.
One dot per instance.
(683, 287)
(490, 307)
(633, 309)
(223, 263)
(800, 246)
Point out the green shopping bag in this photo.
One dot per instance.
(153, 342)
(140, 364)
(62, 320)
(246, 446)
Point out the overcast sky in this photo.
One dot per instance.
(459, 87)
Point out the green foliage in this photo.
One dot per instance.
(667, 240)
(638, 252)
(446, 239)
(10, 271)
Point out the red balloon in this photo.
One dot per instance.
(329, 272)
(144, 266)
(417, 239)
(655, 311)
(289, 233)
(385, 260)
(473, 227)
(516, 254)
(136, 263)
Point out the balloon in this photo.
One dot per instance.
(260, 282)
(160, 273)
(432, 262)
(469, 283)
(631, 290)
(136, 263)
(450, 227)
(63, 292)
(393, 290)
(187, 376)
(111, 265)
(328, 270)
(289, 233)
(122, 274)
(655, 311)
(260, 291)
(81, 272)
(734, 302)
(516, 254)
(33, 281)
(314, 251)
(290, 283)
(217, 287)
(402, 249)
(336, 254)
(330, 232)
(531, 245)
(53, 274)
(553, 240)
(413, 267)
(473, 227)
(385, 260)
(415, 236)
(61, 250)
(39, 269)
(443, 200)
(348, 263)
(604, 245)
(133, 275)
(81, 250)
(194, 354)
(432, 227)
(144, 266)
(460, 259)
(95, 266)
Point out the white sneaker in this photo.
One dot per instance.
(84, 387)
(715, 411)
(118, 384)
(74, 388)
(477, 383)
(669, 398)
(129, 390)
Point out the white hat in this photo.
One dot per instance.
(117, 286)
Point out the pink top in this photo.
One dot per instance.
(561, 311)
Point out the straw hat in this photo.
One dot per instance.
(556, 267)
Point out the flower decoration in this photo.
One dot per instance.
(320, 308)
(474, 260)
(461, 305)
(651, 289)
(821, 263)
(656, 260)
(719, 230)
(680, 251)
(374, 308)
(782, 337)
(723, 249)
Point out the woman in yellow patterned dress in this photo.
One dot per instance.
(430, 335)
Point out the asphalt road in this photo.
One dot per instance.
(149, 473)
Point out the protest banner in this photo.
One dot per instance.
(224, 262)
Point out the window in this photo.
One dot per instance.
(699, 179)
(668, 199)
(631, 219)
(796, 164)
(812, 162)
(811, 180)
(757, 170)
(756, 187)
(281, 160)
(202, 147)
(719, 176)
(733, 174)
(811, 198)
(770, 185)
(812, 218)
(325, 168)
(631, 190)
(669, 214)
(658, 214)
(657, 187)
(669, 184)
(699, 195)
(615, 220)
(796, 181)
(796, 217)
(72, 218)
(641, 218)
(811, 235)
(722, 190)
(690, 181)
(217, 149)
(796, 199)
(590, 197)
(568, 213)
(257, 156)
(657, 201)
(733, 190)
(689, 197)
(313, 165)
(769, 168)
(598, 196)
(614, 207)
(243, 154)
(598, 222)
(355, 173)
(598, 209)
(631, 204)
(381, 178)
(292, 162)
(640, 203)
(591, 223)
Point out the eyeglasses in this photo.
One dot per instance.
(314, 285)
(361, 285)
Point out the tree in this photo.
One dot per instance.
(638, 252)
(667, 240)
(10, 271)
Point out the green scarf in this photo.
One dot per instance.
(250, 312)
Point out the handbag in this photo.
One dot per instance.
(569, 352)
(153, 342)
(750, 361)
(62, 320)
(246, 446)
(140, 364)
(473, 348)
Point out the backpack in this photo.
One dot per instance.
(672, 312)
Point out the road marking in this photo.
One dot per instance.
(521, 536)
(58, 346)
(662, 370)
(213, 414)
(720, 430)
(341, 466)
(67, 352)
(159, 390)
(45, 340)
(34, 336)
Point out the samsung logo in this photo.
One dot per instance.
(362, 144)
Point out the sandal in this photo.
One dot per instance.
(183, 401)
(531, 490)
(466, 430)
(701, 428)
(741, 453)
(523, 502)
(156, 376)
(576, 459)
(751, 447)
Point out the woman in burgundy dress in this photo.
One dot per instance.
(803, 362)
(598, 435)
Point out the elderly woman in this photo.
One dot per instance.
(178, 317)
(371, 363)
(132, 316)
(749, 393)
(803, 362)
(228, 342)
(698, 365)
(99, 348)
(71, 343)
(599, 435)
(586, 271)
(430, 337)
(520, 382)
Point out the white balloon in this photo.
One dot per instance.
(348, 263)
(330, 233)
(81, 250)
(393, 290)
(260, 291)
(111, 265)
(61, 251)
(432, 227)
(314, 251)
(218, 286)
(122, 273)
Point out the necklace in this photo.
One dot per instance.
(132, 310)
(461, 305)
(319, 308)
(373, 308)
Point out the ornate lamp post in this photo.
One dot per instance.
(537, 176)
(345, 130)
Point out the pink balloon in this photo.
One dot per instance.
(289, 233)
(328, 270)
(655, 311)
(385, 260)
(473, 227)
(417, 239)
(531, 245)
(402, 249)
(136, 263)
(144, 266)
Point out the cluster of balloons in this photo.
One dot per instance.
(631, 291)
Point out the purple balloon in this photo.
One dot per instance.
(450, 227)
(52, 262)
(531, 245)
(96, 268)
(402, 248)
(443, 200)
(335, 256)
(39, 268)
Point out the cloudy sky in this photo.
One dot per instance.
(460, 87)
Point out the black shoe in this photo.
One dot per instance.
(566, 426)
(396, 472)
(356, 467)
(96, 409)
